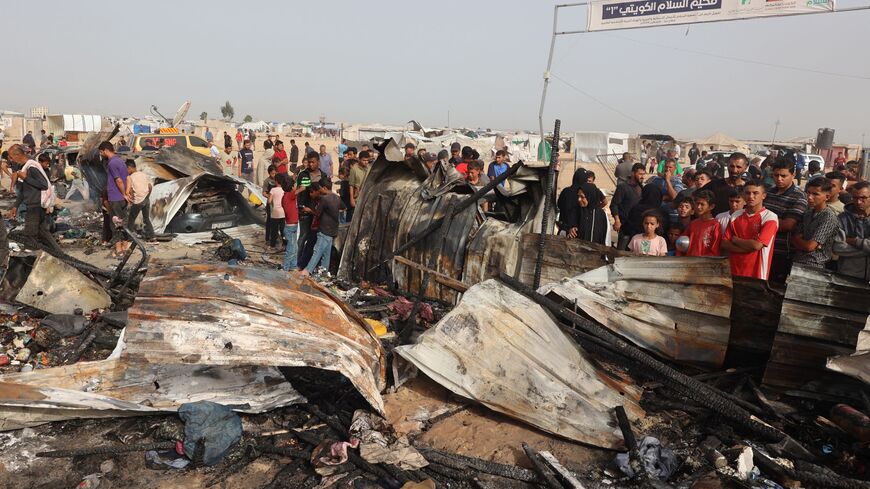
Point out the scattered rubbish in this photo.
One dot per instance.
(379, 444)
(165, 459)
(852, 421)
(64, 325)
(334, 452)
(91, 481)
(744, 463)
(210, 429)
(659, 461)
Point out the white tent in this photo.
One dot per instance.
(589, 145)
(261, 126)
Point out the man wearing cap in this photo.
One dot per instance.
(455, 154)
(409, 151)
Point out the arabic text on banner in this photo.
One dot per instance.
(621, 14)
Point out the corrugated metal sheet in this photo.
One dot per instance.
(220, 315)
(399, 199)
(823, 315)
(245, 233)
(502, 349)
(679, 308)
(563, 257)
(207, 332)
(119, 387)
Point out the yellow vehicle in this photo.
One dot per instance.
(170, 138)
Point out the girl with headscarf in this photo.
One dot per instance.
(650, 199)
(591, 223)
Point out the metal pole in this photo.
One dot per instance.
(548, 204)
(547, 73)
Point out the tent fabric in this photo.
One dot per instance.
(589, 145)
(721, 141)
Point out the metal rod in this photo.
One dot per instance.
(547, 74)
(549, 190)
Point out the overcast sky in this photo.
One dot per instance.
(481, 61)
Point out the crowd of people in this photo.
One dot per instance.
(758, 216)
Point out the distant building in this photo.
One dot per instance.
(39, 111)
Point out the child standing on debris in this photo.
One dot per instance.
(137, 194)
(705, 232)
(291, 220)
(649, 243)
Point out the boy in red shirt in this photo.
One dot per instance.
(705, 232)
(749, 237)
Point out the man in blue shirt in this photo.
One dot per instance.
(325, 162)
(668, 181)
(208, 135)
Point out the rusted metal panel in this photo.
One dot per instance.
(208, 332)
(220, 315)
(823, 315)
(502, 349)
(118, 387)
(679, 308)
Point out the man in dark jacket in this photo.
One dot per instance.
(36, 223)
(625, 197)
(853, 244)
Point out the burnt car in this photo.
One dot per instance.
(191, 193)
(212, 204)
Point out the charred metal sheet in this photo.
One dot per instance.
(220, 315)
(679, 308)
(118, 387)
(206, 332)
(245, 233)
(563, 257)
(502, 349)
(823, 315)
(44, 282)
(399, 199)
